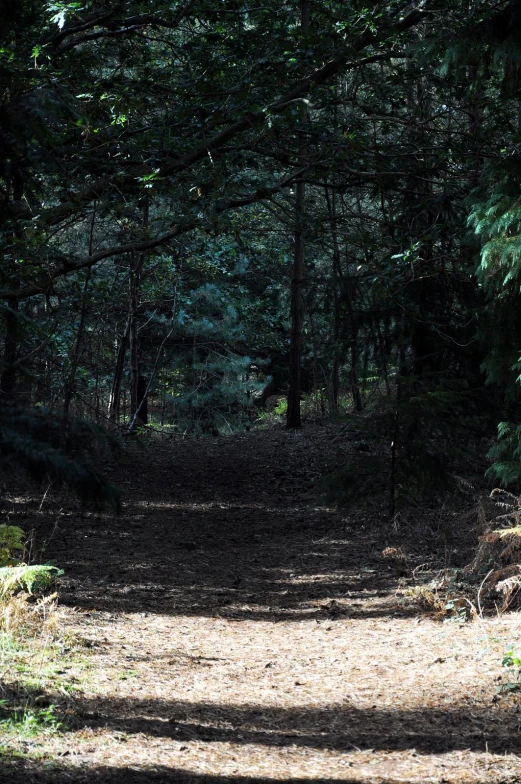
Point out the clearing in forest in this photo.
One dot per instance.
(229, 627)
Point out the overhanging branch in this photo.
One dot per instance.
(128, 182)
(74, 264)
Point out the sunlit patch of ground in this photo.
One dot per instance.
(252, 640)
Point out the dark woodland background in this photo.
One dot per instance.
(212, 211)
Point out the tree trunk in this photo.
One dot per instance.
(295, 355)
(337, 276)
(142, 400)
(8, 375)
(115, 392)
(135, 276)
(70, 385)
(133, 316)
(293, 416)
(76, 354)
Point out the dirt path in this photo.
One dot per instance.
(233, 630)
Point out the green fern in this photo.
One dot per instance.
(26, 578)
(12, 541)
(506, 454)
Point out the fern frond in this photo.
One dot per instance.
(515, 531)
(26, 578)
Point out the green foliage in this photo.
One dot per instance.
(497, 221)
(16, 576)
(513, 662)
(506, 454)
(27, 722)
(213, 378)
(44, 443)
(281, 407)
(458, 612)
(37, 577)
(108, 115)
(12, 544)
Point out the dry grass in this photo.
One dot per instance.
(25, 618)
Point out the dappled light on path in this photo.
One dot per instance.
(258, 639)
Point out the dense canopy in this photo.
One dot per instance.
(208, 203)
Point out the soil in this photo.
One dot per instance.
(230, 626)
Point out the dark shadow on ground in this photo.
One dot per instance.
(336, 727)
(225, 562)
(13, 771)
(228, 528)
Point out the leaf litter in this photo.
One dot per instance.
(230, 626)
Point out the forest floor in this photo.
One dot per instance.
(232, 627)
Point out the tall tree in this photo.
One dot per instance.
(299, 253)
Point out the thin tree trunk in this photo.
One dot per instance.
(70, 385)
(293, 416)
(354, 353)
(136, 386)
(163, 401)
(141, 412)
(133, 316)
(115, 392)
(297, 311)
(383, 356)
(8, 376)
(8, 373)
(316, 370)
(76, 354)
(337, 276)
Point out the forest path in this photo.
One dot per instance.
(236, 631)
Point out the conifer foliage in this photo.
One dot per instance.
(45, 444)
(154, 160)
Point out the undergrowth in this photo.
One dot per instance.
(24, 721)
(28, 627)
(491, 582)
(512, 662)
(442, 600)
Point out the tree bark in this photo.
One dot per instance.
(70, 385)
(295, 354)
(115, 392)
(75, 358)
(293, 415)
(8, 376)
(8, 373)
(337, 277)
(135, 388)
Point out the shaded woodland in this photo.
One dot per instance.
(206, 205)
(260, 292)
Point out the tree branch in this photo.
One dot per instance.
(126, 26)
(128, 182)
(73, 264)
(94, 21)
